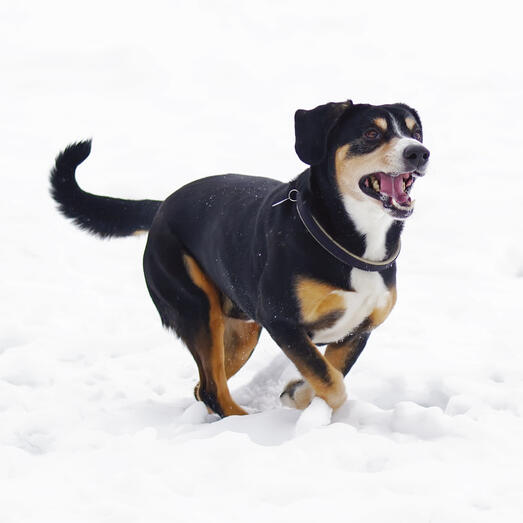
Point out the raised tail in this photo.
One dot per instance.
(101, 215)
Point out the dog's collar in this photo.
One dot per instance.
(325, 240)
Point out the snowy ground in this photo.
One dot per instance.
(97, 418)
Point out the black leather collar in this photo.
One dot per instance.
(326, 241)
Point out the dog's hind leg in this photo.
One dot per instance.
(189, 303)
(240, 338)
(209, 346)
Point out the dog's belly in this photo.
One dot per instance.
(370, 298)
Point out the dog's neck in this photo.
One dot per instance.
(360, 226)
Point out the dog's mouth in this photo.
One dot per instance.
(392, 190)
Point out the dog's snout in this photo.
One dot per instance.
(415, 156)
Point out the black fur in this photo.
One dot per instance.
(100, 215)
(313, 129)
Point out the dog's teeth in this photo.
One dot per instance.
(375, 185)
(397, 205)
(402, 207)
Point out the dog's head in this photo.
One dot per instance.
(376, 151)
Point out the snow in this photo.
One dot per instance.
(97, 418)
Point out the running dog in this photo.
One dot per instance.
(313, 261)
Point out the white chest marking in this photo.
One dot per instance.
(370, 292)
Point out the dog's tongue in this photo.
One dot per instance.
(393, 186)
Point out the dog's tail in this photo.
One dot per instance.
(100, 215)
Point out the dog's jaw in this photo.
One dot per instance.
(392, 191)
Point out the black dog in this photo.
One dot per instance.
(312, 260)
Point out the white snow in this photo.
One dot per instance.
(97, 418)
(317, 414)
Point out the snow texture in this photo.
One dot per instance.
(97, 418)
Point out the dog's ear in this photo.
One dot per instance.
(313, 127)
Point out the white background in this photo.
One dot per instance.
(97, 418)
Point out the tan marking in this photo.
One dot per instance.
(332, 392)
(381, 123)
(302, 395)
(212, 355)
(350, 169)
(240, 338)
(338, 354)
(139, 232)
(410, 122)
(334, 395)
(379, 314)
(317, 299)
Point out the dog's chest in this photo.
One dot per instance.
(331, 314)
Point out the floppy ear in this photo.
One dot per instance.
(313, 127)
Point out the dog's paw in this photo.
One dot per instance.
(297, 394)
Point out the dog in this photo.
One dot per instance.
(312, 261)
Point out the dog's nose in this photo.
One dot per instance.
(415, 156)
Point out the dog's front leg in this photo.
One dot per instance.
(342, 355)
(322, 379)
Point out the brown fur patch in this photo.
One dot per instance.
(340, 352)
(381, 123)
(379, 315)
(201, 280)
(334, 392)
(329, 384)
(410, 122)
(317, 300)
(337, 354)
(297, 394)
(240, 338)
(300, 395)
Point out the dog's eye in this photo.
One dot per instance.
(372, 134)
(417, 135)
